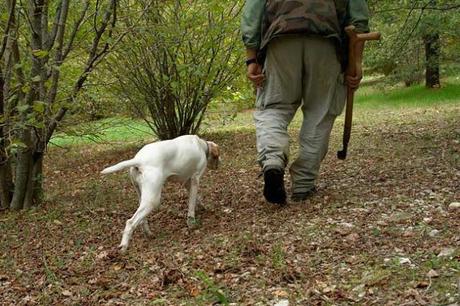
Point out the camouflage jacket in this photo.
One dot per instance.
(263, 20)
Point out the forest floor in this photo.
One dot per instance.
(378, 232)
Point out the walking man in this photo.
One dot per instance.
(296, 57)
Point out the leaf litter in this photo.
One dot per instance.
(383, 228)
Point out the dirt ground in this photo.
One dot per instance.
(378, 232)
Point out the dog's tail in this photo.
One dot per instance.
(120, 166)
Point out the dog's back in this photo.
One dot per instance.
(180, 157)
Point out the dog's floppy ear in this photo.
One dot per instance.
(213, 156)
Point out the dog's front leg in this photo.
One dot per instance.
(192, 186)
(199, 203)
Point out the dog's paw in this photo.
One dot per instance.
(192, 223)
(122, 249)
(148, 234)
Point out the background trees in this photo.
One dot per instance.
(48, 49)
(176, 60)
(421, 37)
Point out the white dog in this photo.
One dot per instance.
(182, 159)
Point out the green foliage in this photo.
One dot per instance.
(231, 100)
(278, 256)
(367, 98)
(181, 56)
(47, 51)
(212, 291)
(400, 56)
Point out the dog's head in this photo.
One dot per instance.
(213, 155)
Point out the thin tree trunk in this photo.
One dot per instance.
(7, 55)
(432, 53)
(37, 176)
(6, 185)
(23, 172)
(29, 192)
(6, 179)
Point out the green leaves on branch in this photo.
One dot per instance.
(40, 53)
(405, 25)
(180, 57)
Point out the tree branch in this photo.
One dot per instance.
(8, 28)
(434, 8)
(76, 27)
(51, 38)
(58, 57)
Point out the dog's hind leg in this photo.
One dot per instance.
(134, 175)
(145, 226)
(150, 200)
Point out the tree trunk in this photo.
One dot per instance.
(37, 175)
(6, 179)
(23, 171)
(432, 53)
(28, 191)
(6, 185)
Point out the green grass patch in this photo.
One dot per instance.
(212, 292)
(106, 130)
(368, 98)
(414, 96)
(125, 130)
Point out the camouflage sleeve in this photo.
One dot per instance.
(358, 15)
(251, 21)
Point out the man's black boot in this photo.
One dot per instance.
(303, 196)
(274, 186)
